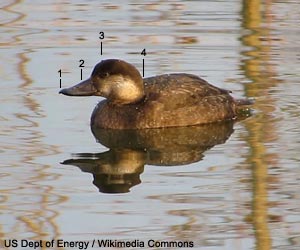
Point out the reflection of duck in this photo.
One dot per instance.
(118, 169)
(168, 146)
(114, 171)
(169, 100)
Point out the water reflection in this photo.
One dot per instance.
(119, 169)
(250, 200)
(34, 210)
(258, 68)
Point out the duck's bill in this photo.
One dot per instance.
(84, 88)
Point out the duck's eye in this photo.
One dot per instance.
(103, 75)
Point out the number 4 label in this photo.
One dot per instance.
(144, 52)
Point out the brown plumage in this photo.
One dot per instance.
(167, 100)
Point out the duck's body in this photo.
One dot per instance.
(162, 101)
(170, 100)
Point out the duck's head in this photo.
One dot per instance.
(116, 80)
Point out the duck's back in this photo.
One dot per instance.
(170, 100)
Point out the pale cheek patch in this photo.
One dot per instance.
(125, 89)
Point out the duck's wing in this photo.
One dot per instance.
(180, 88)
(183, 99)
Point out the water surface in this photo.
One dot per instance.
(240, 191)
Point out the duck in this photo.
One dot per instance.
(167, 100)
